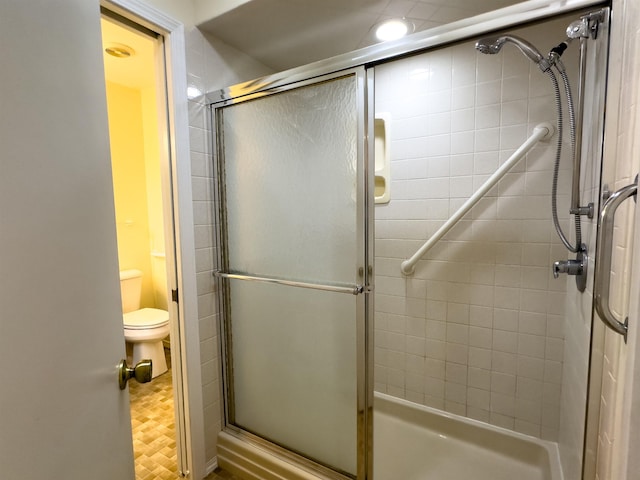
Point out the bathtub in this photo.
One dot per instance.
(414, 442)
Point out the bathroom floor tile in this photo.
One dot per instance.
(153, 425)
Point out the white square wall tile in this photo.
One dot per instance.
(435, 349)
(456, 373)
(515, 88)
(480, 358)
(529, 389)
(455, 392)
(435, 368)
(530, 367)
(503, 404)
(488, 93)
(463, 120)
(463, 97)
(487, 140)
(480, 337)
(512, 136)
(489, 68)
(479, 378)
(488, 116)
(531, 345)
(462, 142)
(504, 341)
(479, 398)
(514, 112)
(457, 333)
(503, 362)
(415, 346)
(528, 410)
(457, 353)
(505, 319)
(532, 323)
(503, 383)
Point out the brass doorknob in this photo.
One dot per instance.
(141, 372)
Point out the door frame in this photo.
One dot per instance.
(185, 343)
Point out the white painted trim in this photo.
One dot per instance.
(211, 466)
(629, 463)
(175, 51)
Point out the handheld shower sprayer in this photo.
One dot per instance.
(492, 45)
(583, 29)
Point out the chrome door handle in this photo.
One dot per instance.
(603, 259)
(141, 372)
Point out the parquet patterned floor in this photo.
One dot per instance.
(153, 425)
(154, 435)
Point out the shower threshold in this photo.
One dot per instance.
(414, 442)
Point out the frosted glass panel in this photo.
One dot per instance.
(290, 183)
(294, 369)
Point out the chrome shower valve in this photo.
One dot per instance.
(576, 267)
(570, 267)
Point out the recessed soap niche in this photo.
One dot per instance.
(382, 161)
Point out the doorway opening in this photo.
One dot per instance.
(141, 170)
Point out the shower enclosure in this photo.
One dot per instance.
(479, 328)
(294, 267)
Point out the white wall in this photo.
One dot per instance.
(181, 10)
(478, 330)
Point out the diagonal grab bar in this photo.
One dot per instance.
(542, 131)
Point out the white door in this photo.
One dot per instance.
(62, 415)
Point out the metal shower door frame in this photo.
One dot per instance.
(363, 290)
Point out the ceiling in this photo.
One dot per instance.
(138, 70)
(283, 34)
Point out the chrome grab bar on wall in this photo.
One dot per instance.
(603, 259)
(353, 290)
(542, 131)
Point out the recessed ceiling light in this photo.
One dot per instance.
(120, 50)
(393, 29)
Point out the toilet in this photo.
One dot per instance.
(144, 328)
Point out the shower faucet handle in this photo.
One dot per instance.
(576, 267)
(570, 267)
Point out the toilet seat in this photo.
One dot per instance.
(145, 318)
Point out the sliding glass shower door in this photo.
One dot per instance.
(293, 266)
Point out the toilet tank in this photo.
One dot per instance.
(130, 289)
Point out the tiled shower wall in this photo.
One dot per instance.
(478, 330)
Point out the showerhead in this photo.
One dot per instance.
(492, 45)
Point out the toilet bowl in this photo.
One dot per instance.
(144, 328)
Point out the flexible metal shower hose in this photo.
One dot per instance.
(556, 167)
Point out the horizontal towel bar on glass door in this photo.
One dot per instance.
(542, 131)
(353, 290)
